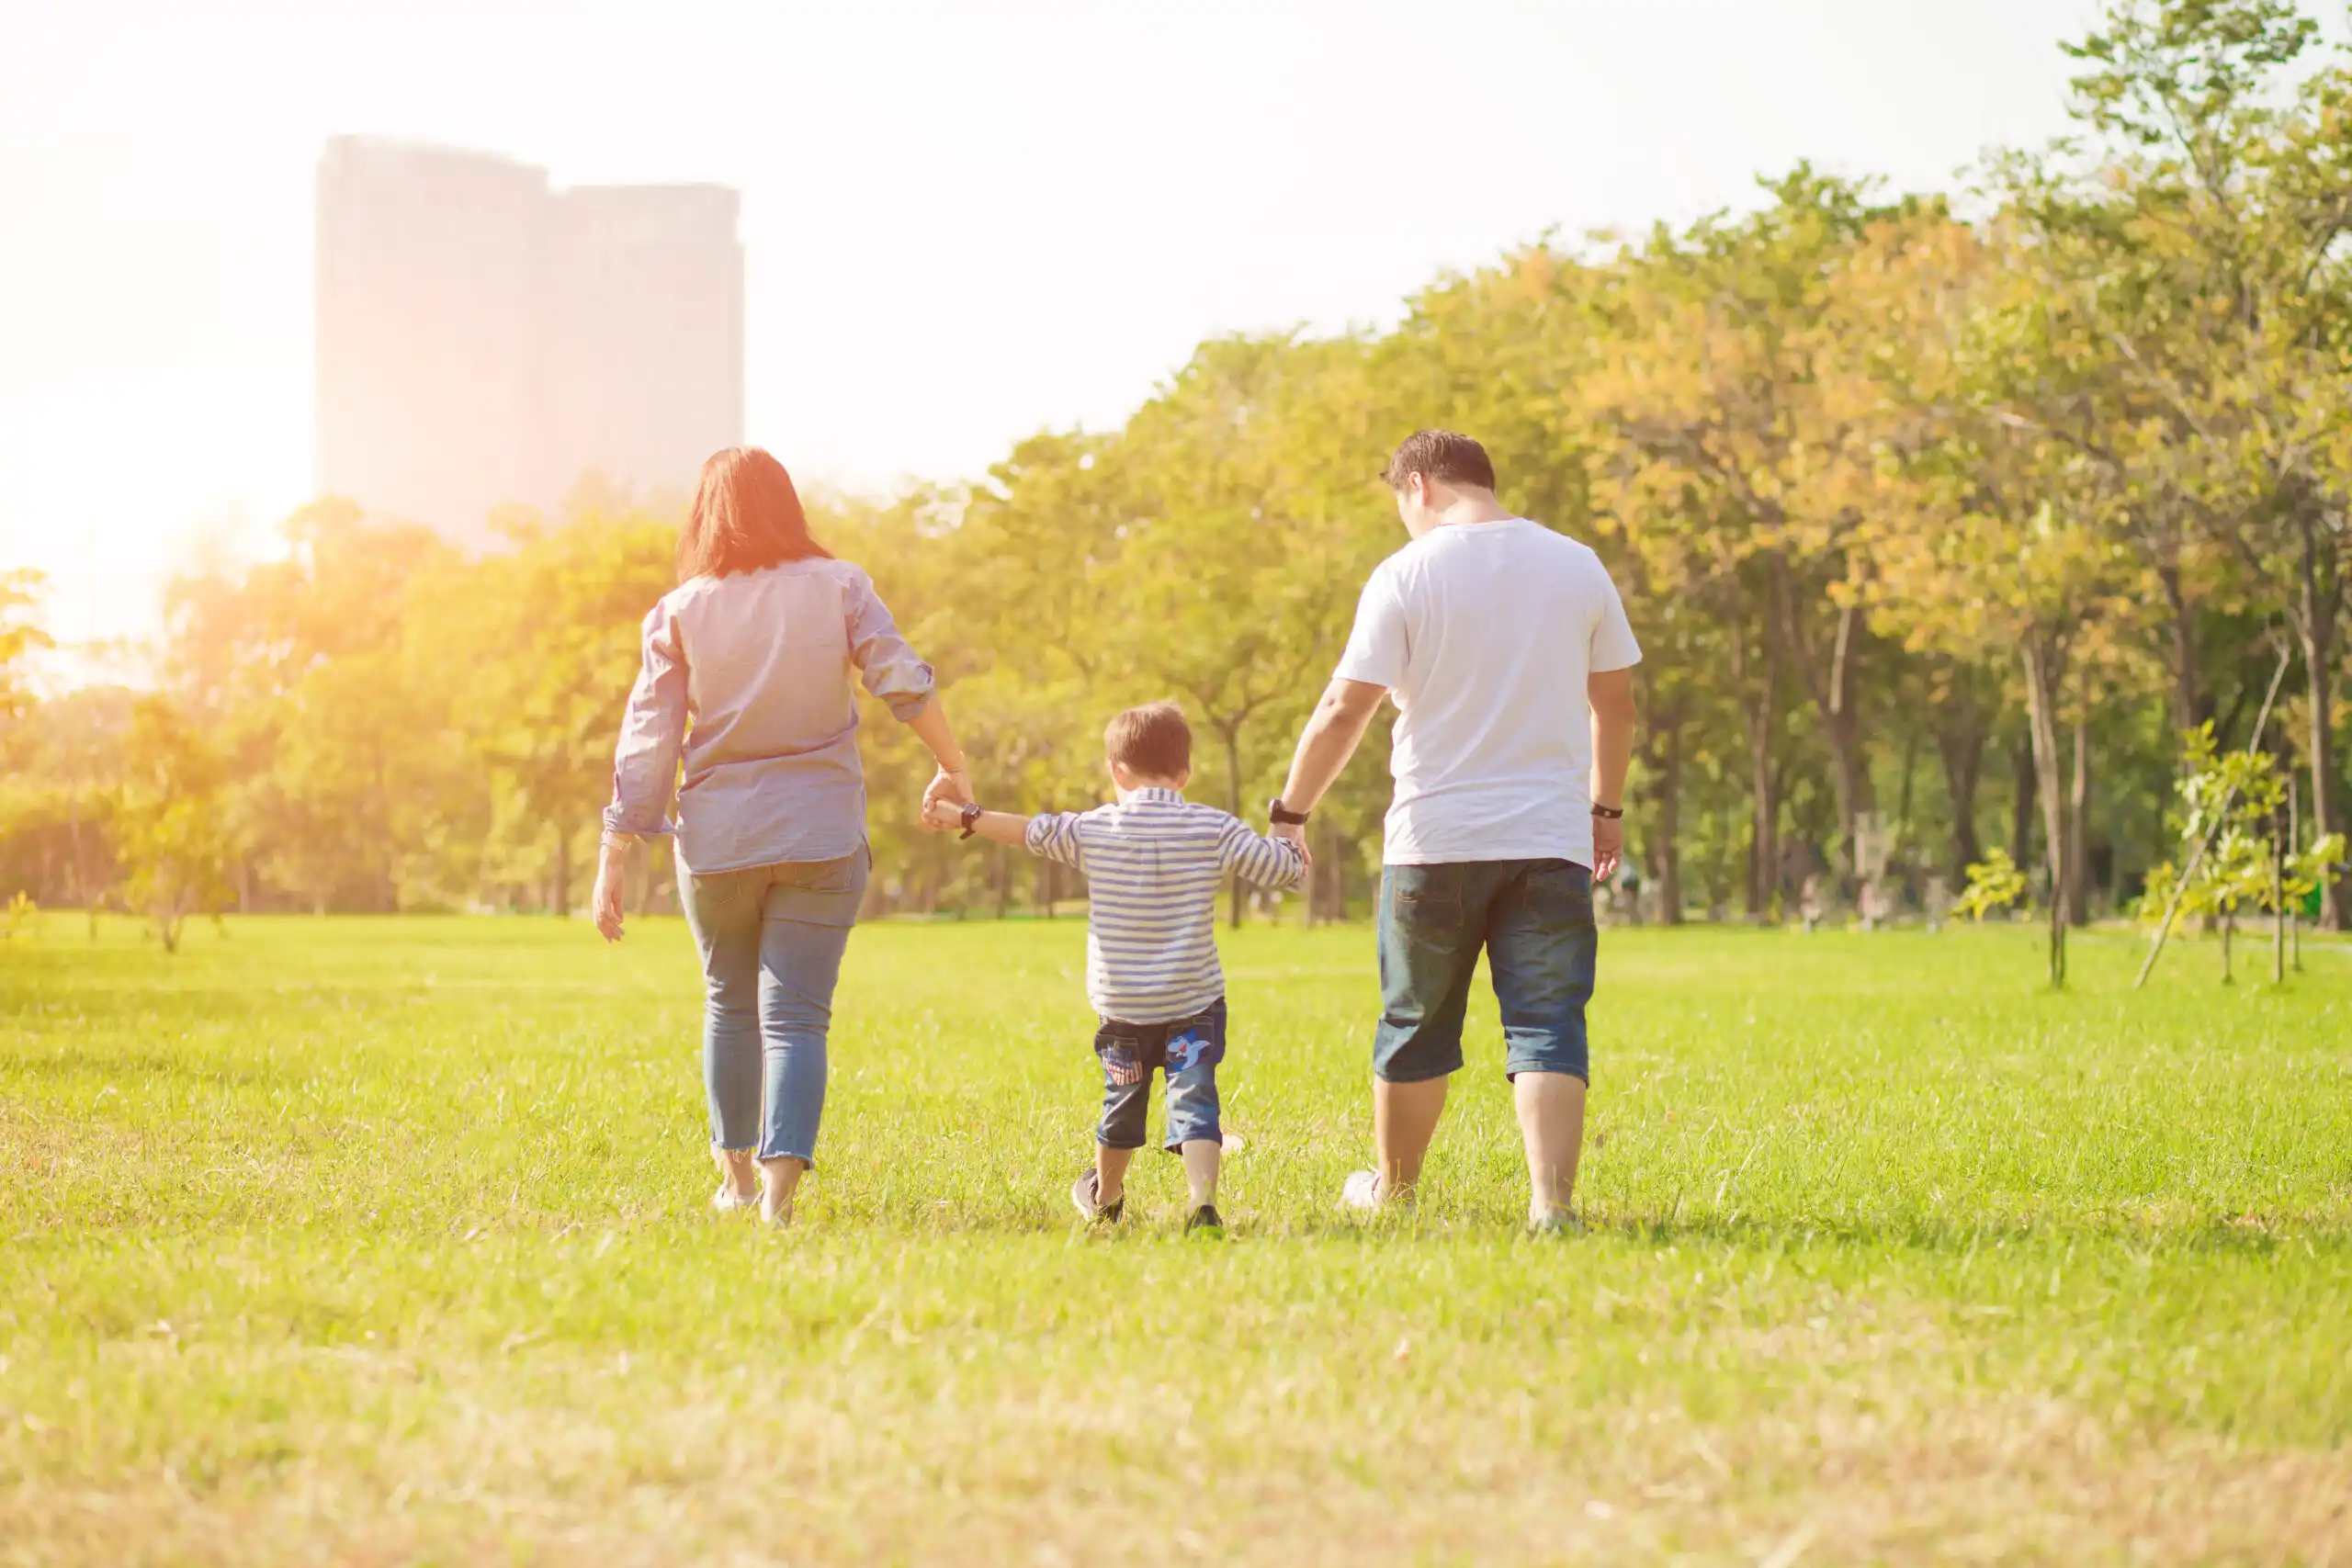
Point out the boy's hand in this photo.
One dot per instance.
(941, 815)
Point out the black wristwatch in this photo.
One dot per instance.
(1282, 815)
(1609, 813)
(970, 816)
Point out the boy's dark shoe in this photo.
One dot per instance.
(1082, 1195)
(1205, 1218)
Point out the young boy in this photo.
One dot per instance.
(1152, 864)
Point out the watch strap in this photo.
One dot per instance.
(1609, 813)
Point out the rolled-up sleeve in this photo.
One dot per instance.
(1054, 836)
(884, 662)
(1276, 864)
(645, 763)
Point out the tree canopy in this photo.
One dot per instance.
(2044, 472)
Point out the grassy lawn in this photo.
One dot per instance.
(378, 1241)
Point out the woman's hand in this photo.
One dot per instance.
(952, 786)
(953, 781)
(604, 904)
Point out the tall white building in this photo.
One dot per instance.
(484, 339)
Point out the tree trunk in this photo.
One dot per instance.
(1910, 766)
(2319, 744)
(1844, 729)
(2042, 670)
(1326, 889)
(1962, 750)
(2021, 801)
(2277, 900)
(1661, 854)
(559, 878)
(2294, 845)
(388, 887)
(1764, 803)
(1833, 698)
(2188, 704)
(73, 829)
(2078, 839)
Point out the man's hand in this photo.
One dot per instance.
(1292, 833)
(956, 787)
(604, 904)
(1608, 846)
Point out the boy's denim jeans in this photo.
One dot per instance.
(770, 939)
(1186, 1050)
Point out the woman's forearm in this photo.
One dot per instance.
(932, 728)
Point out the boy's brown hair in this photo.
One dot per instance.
(1153, 741)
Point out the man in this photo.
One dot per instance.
(1507, 649)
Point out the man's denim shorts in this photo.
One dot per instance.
(1533, 920)
(1187, 1050)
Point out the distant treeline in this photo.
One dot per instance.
(1940, 518)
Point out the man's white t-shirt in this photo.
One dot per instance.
(1483, 634)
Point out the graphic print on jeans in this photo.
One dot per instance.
(1188, 1050)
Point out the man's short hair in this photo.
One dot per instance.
(1444, 455)
(1152, 741)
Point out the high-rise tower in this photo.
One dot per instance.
(485, 339)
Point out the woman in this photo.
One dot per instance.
(747, 672)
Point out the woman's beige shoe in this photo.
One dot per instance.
(736, 1188)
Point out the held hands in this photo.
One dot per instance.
(1292, 833)
(952, 788)
(941, 815)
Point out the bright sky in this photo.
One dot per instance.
(962, 221)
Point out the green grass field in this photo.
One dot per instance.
(384, 1241)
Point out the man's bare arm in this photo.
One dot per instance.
(1330, 738)
(1612, 695)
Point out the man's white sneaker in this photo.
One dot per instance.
(1361, 1191)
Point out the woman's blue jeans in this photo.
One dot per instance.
(771, 938)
